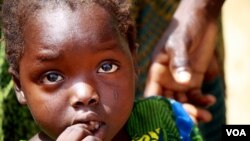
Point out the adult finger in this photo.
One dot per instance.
(181, 97)
(203, 54)
(160, 79)
(197, 114)
(176, 46)
(168, 94)
(152, 89)
(196, 97)
(154, 85)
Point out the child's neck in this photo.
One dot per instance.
(122, 135)
(41, 136)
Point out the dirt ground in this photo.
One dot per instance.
(236, 21)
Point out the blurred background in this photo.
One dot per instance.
(236, 29)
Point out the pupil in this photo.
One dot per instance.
(106, 67)
(52, 77)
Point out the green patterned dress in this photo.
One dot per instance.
(161, 119)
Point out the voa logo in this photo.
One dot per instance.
(236, 132)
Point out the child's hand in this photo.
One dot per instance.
(78, 132)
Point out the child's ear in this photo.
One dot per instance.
(17, 87)
(20, 95)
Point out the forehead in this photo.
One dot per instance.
(58, 24)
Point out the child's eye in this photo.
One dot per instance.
(107, 68)
(51, 77)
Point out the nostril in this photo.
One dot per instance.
(79, 100)
(78, 104)
(92, 102)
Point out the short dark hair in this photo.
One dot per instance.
(16, 12)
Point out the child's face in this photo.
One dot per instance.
(76, 70)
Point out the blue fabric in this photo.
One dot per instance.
(183, 121)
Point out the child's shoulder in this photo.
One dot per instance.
(152, 103)
(158, 106)
(160, 118)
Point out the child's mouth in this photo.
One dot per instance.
(92, 123)
(94, 126)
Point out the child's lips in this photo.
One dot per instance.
(96, 128)
(93, 124)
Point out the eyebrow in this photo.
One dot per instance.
(107, 46)
(48, 55)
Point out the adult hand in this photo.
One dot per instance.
(197, 114)
(161, 79)
(183, 56)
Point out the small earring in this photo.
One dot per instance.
(17, 89)
(22, 95)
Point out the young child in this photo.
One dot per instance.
(72, 62)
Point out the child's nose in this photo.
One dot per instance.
(83, 94)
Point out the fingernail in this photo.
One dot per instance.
(182, 75)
